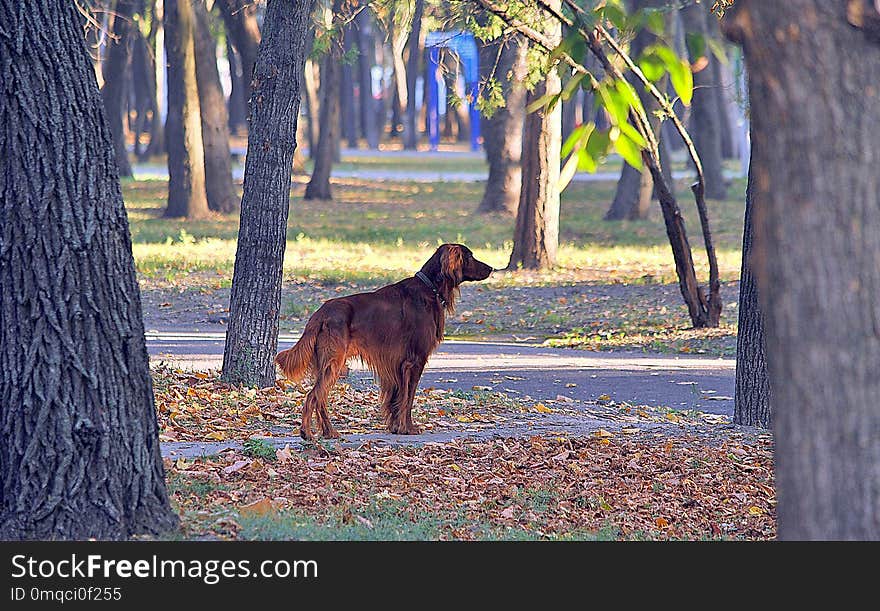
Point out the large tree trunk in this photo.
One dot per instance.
(413, 69)
(240, 18)
(816, 251)
(536, 237)
(115, 70)
(752, 400)
(215, 127)
(255, 302)
(635, 189)
(704, 122)
(79, 443)
(503, 131)
(183, 127)
(331, 74)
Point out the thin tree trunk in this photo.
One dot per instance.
(413, 69)
(704, 120)
(144, 88)
(313, 106)
(816, 251)
(240, 18)
(237, 105)
(366, 58)
(503, 131)
(752, 399)
(215, 127)
(115, 70)
(331, 74)
(183, 127)
(536, 237)
(255, 302)
(79, 442)
(154, 51)
(348, 114)
(635, 188)
(721, 75)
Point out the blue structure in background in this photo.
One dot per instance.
(465, 47)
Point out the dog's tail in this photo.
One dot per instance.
(296, 362)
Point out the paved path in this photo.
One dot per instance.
(156, 172)
(524, 370)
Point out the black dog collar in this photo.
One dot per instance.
(431, 286)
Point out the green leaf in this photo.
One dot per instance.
(696, 44)
(628, 150)
(596, 149)
(633, 134)
(572, 45)
(718, 50)
(614, 103)
(652, 67)
(567, 172)
(577, 138)
(586, 162)
(682, 81)
(628, 93)
(548, 100)
(679, 72)
(616, 15)
(572, 85)
(655, 20)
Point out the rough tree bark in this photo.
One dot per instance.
(219, 187)
(183, 126)
(79, 443)
(752, 399)
(704, 124)
(503, 131)
(240, 18)
(252, 337)
(536, 236)
(635, 189)
(115, 70)
(413, 68)
(816, 247)
(331, 75)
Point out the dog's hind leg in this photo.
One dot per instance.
(410, 373)
(326, 381)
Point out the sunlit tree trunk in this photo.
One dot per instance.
(255, 302)
(183, 127)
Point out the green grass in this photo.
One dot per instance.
(389, 521)
(375, 232)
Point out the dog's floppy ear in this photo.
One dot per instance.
(451, 261)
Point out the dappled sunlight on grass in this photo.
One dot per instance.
(379, 231)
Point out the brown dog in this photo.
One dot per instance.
(392, 330)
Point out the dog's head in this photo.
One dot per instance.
(451, 265)
(458, 264)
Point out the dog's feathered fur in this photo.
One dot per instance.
(392, 330)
